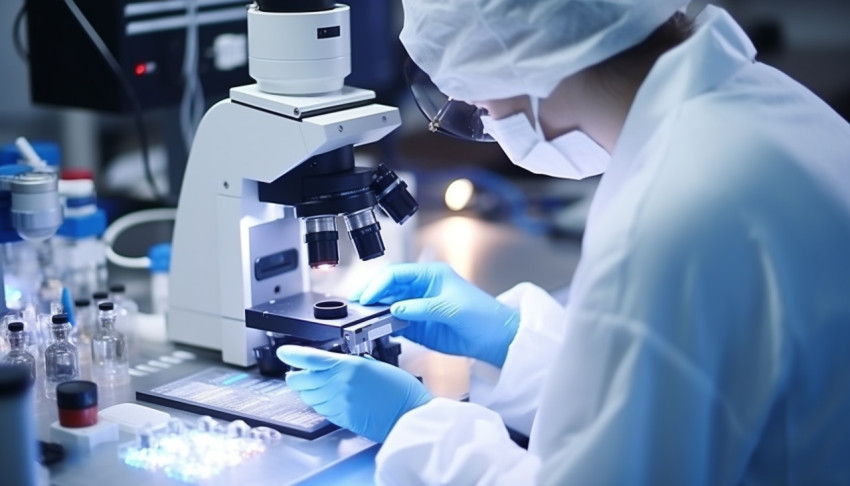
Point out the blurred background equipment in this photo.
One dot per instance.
(17, 425)
(148, 41)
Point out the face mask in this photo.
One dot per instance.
(573, 155)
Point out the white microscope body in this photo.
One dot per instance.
(231, 250)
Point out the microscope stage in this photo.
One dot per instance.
(293, 316)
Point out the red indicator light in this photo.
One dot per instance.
(140, 69)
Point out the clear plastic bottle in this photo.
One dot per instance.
(61, 361)
(18, 355)
(110, 364)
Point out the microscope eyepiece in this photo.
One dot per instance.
(321, 238)
(365, 233)
(393, 195)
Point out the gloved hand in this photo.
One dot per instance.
(360, 394)
(451, 315)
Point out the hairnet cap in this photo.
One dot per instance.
(476, 50)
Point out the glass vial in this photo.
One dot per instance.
(18, 355)
(86, 325)
(126, 308)
(110, 364)
(100, 296)
(124, 305)
(61, 362)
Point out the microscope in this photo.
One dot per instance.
(274, 162)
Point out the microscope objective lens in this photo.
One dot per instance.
(365, 233)
(321, 238)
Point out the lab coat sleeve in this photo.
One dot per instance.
(514, 391)
(452, 443)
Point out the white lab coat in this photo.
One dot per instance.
(707, 339)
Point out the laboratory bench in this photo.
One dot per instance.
(290, 461)
(494, 256)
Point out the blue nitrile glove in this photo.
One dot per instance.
(360, 394)
(450, 314)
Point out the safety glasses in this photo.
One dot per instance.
(445, 115)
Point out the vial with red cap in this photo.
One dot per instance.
(77, 403)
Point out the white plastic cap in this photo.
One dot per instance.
(76, 188)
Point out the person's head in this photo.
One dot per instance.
(580, 61)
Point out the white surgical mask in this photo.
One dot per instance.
(573, 155)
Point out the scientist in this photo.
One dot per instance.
(707, 335)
